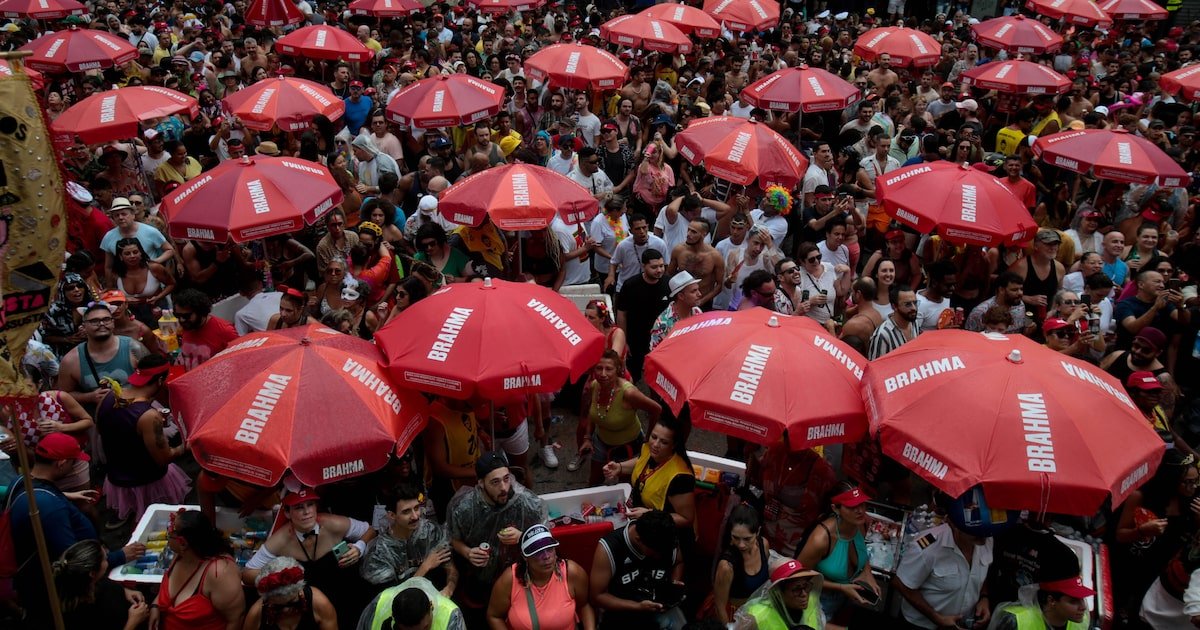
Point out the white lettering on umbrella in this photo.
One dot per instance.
(751, 373)
(895, 179)
(907, 216)
(708, 323)
(481, 86)
(767, 83)
(1086, 375)
(108, 109)
(260, 410)
(440, 351)
(439, 100)
(878, 38)
(342, 470)
(43, 4)
(1124, 153)
(667, 386)
(1132, 479)
(841, 357)
(253, 343)
(815, 85)
(1066, 163)
(1039, 447)
(196, 185)
(107, 42)
(1004, 70)
(387, 4)
(1187, 73)
(738, 150)
(916, 40)
(562, 327)
(258, 196)
(373, 383)
(657, 28)
(968, 203)
(520, 190)
(302, 167)
(721, 7)
(202, 233)
(319, 42)
(762, 13)
(1041, 30)
(518, 382)
(1000, 32)
(927, 462)
(923, 371)
(263, 100)
(826, 431)
(678, 14)
(53, 49)
(317, 96)
(573, 63)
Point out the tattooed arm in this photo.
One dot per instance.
(150, 427)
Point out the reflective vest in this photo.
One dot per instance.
(767, 618)
(442, 609)
(1030, 618)
(654, 484)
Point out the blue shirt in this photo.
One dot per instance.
(1117, 271)
(356, 113)
(151, 239)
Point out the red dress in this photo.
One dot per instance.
(194, 613)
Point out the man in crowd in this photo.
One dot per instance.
(104, 355)
(639, 302)
(631, 566)
(898, 328)
(1008, 295)
(413, 546)
(697, 257)
(203, 334)
(627, 256)
(685, 302)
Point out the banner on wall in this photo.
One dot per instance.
(32, 226)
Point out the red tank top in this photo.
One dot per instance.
(194, 613)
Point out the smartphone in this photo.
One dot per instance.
(1174, 284)
(1085, 299)
(804, 296)
(867, 594)
(340, 549)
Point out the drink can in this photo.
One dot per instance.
(486, 548)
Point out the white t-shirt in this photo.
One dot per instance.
(1093, 243)
(578, 271)
(628, 257)
(596, 183)
(776, 225)
(562, 165)
(727, 248)
(740, 110)
(816, 176)
(840, 257)
(815, 286)
(589, 128)
(603, 234)
(256, 314)
(929, 311)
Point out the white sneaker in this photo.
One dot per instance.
(549, 459)
(575, 463)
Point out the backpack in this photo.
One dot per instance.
(9, 566)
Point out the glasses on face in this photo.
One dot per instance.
(1070, 302)
(99, 321)
(335, 271)
(1061, 334)
(789, 270)
(813, 259)
(427, 245)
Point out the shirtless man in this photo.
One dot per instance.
(867, 319)
(697, 257)
(883, 76)
(735, 79)
(638, 90)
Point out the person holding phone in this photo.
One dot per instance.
(837, 548)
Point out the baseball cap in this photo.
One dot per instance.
(680, 281)
(440, 142)
(303, 495)
(608, 126)
(1071, 587)
(893, 234)
(969, 104)
(490, 461)
(59, 446)
(537, 539)
(853, 497)
(1143, 380)
(1101, 109)
(1053, 324)
(140, 377)
(356, 84)
(196, 56)
(1091, 214)
(791, 569)
(1153, 336)
(151, 134)
(948, 84)
(114, 296)
(1047, 236)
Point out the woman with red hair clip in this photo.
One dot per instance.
(287, 601)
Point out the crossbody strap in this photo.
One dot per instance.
(533, 618)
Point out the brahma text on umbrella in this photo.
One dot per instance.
(520, 190)
(750, 375)
(969, 198)
(841, 357)
(922, 372)
(708, 323)
(927, 462)
(826, 431)
(1039, 445)
(108, 109)
(258, 196)
(562, 327)
(260, 410)
(1086, 375)
(342, 470)
(373, 382)
(449, 334)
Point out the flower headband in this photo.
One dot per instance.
(370, 227)
(279, 579)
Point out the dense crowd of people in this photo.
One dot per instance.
(1108, 278)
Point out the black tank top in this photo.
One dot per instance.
(633, 575)
(1040, 286)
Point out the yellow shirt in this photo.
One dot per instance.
(1009, 140)
(166, 172)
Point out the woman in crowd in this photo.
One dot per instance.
(62, 325)
(816, 280)
(88, 598)
(610, 406)
(200, 589)
(654, 178)
(598, 313)
(885, 277)
(837, 548)
(410, 291)
(292, 313)
(541, 591)
(145, 283)
(907, 264)
(432, 248)
(363, 321)
(328, 296)
(661, 475)
(742, 566)
(287, 602)
(1142, 250)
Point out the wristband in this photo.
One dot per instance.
(361, 546)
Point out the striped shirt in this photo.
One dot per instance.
(890, 336)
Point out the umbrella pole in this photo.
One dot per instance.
(142, 173)
(35, 519)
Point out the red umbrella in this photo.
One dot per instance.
(385, 8)
(1113, 154)
(310, 400)
(1017, 77)
(801, 89)
(41, 9)
(1040, 430)
(744, 15)
(576, 67)
(688, 19)
(755, 374)
(268, 13)
(445, 101)
(1084, 12)
(1185, 82)
(964, 204)
(905, 46)
(638, 31)
(288, 102)
(117, 114)
(493, 339)
(323, 42)
(77, 50)
(741, 151)
(506, 6)
(1133, 10)
(251, 198)
(517, 197)
(1017, 34)
(35, 77)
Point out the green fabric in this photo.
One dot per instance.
(1030, 618)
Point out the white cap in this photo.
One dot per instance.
(842, 16)
(823, 15)
(681, 280)
(1101, 109)
(151, 134)
(968, 104)
(427, 205)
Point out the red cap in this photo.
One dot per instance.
(1091, 214)
(113, 297)
(1072, 587)
(356, 84)
(790, 569)
(140, 377)
(1143, 380)
(851, 498)
(893, 234)
(303, 495)
(60, 446)
(1053, 324)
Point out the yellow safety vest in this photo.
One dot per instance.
(654, 486)
(442, 609)
(1030, 618)
(767, 618)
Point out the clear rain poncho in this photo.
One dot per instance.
(389, 560)
(471, 519)
(1026, 596)
(769, 596)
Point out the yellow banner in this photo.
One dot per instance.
(33, 226)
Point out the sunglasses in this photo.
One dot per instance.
(1061, 334)
(813, 259)
(427, 244)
